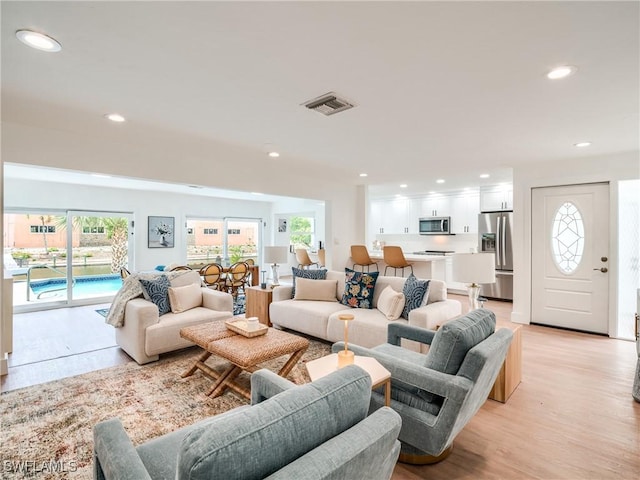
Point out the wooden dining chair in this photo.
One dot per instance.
(213, 276)
(302, 256)
(180, 267)
(237, 278)
(394, 258)
(360, 257)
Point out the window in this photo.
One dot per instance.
(233, 231)
(567, 238)
(302, 231)
(210, 231)
(43, 229)
(92, 229)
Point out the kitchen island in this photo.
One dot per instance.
(424, 266)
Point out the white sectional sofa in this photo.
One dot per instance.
(369, 327)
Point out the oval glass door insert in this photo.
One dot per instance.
(567, 238)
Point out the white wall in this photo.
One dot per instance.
(611, 169)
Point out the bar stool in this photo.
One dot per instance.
(394, 258)
(360, 257)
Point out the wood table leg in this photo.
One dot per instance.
(229, 374)
(295, 356)
(203, 358)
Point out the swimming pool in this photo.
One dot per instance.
(84, 286)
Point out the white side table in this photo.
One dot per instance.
(380, 376)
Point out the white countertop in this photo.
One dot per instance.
(412, 257)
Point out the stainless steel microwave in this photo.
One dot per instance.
(435, 226)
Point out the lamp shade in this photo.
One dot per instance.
(275, 254)
(474, 268)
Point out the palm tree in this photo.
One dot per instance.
(117, 229)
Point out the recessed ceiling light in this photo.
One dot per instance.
(256, 193)
(39, 41)
(115, 117)
(403, 185)
(431, 192)
(364, 175)
(582, 144)
(484, 175)
(561, 72)
(440, 180)
(100, 175)
(274, 154)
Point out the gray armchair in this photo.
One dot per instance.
(438, 393)
(315, 431)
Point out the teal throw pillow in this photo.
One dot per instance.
(316, 274)
(415, 291)
(158, 292)
(358, 288)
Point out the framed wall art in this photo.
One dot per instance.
(161, 232)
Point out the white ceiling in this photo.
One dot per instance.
(443, 89)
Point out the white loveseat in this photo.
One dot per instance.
(369, 327)
(145, 334)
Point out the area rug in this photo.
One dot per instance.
(239, 304)
(47, 429)
(103, 311)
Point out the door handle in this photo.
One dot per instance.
(603, 269)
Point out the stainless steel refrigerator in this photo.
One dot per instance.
(495, 233)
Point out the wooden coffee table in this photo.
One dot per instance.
(243, 353)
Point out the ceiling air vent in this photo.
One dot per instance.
(328, 104)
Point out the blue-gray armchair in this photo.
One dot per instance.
(315, 431)
(437, 393)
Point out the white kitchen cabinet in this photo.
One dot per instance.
(435, 205)
(390, 216)
(496, 198)
(465, 207)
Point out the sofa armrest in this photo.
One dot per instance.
(443, 384)
(433, 315)
(266, 384)
(138, 315)
(115, 457)
(215, 300)
(396, 331)
(282, 292)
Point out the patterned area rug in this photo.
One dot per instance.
(103, 311)
(239, 304)
(47, 429)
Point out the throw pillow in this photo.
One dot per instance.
(414, 292)
(322, 290)
(158, 292)
(316, 274)
(358, 288)
(391, 303)
(185, 298)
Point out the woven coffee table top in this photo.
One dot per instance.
(205, 333)
(248, 352)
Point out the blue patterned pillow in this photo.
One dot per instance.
(158, 292)
(415, 291)
(358, 288)
(316, 274)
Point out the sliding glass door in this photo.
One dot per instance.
(222, 240)
(60, 258)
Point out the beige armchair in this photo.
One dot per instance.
(146, 334)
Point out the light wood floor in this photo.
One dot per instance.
(572, 417)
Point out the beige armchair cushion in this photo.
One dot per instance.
(185, 298)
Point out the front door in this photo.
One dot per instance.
(570, 257)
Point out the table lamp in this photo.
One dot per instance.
(473, 269)
(274, 256)
(345, 357)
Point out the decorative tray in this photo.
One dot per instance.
(240, 326)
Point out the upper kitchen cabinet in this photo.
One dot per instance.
(391, 216)
(496, 198)
(465, 207)
(434, 205)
